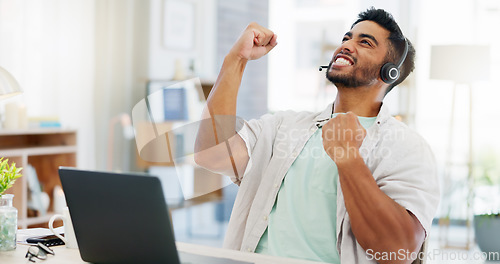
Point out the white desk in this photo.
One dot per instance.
(68, 256)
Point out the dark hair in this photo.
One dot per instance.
(396, 40)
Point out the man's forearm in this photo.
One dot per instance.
(220, 112)
(222, 99)
(219, 119)
(378, 222)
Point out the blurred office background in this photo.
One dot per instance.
(86, 63)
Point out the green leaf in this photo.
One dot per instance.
(8, 174)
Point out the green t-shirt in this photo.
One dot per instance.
(302, 223)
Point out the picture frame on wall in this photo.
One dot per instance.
(179, 25)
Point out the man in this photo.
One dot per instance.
(350, 184)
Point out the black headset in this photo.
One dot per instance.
(389, 73)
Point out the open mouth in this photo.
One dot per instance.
(342, 60)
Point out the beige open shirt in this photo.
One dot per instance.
(400, 160)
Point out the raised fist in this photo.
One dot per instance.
(255, 42)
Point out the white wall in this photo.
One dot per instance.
(48, 46)
(122, 37)
(162, 59)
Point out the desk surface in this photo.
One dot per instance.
(68, 256)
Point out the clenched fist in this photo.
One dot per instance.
(255, 42)
(342, 137)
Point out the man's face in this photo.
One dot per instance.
(358, 60)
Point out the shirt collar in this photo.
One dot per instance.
(325, 114)
(382, 117)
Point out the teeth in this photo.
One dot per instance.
(342, 61)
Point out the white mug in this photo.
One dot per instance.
(69, 237)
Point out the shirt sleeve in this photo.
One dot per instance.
(409, 177)
(254, 131)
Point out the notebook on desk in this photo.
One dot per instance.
(123, 218)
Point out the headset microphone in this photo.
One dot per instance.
(321, 67)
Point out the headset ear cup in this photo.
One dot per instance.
(389, 73)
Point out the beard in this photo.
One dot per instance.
(360, 76)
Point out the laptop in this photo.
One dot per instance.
(123, 218)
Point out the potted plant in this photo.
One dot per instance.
(8, 214)
(487, 205)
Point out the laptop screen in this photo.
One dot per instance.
(119, 217)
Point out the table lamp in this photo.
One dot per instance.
(8, 85)
(461, 64)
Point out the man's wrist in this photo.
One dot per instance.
(351, 157)
(234, 63)
(235, 58)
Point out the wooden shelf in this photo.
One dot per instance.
(37, 151)
(44, 149)
(35, 131)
